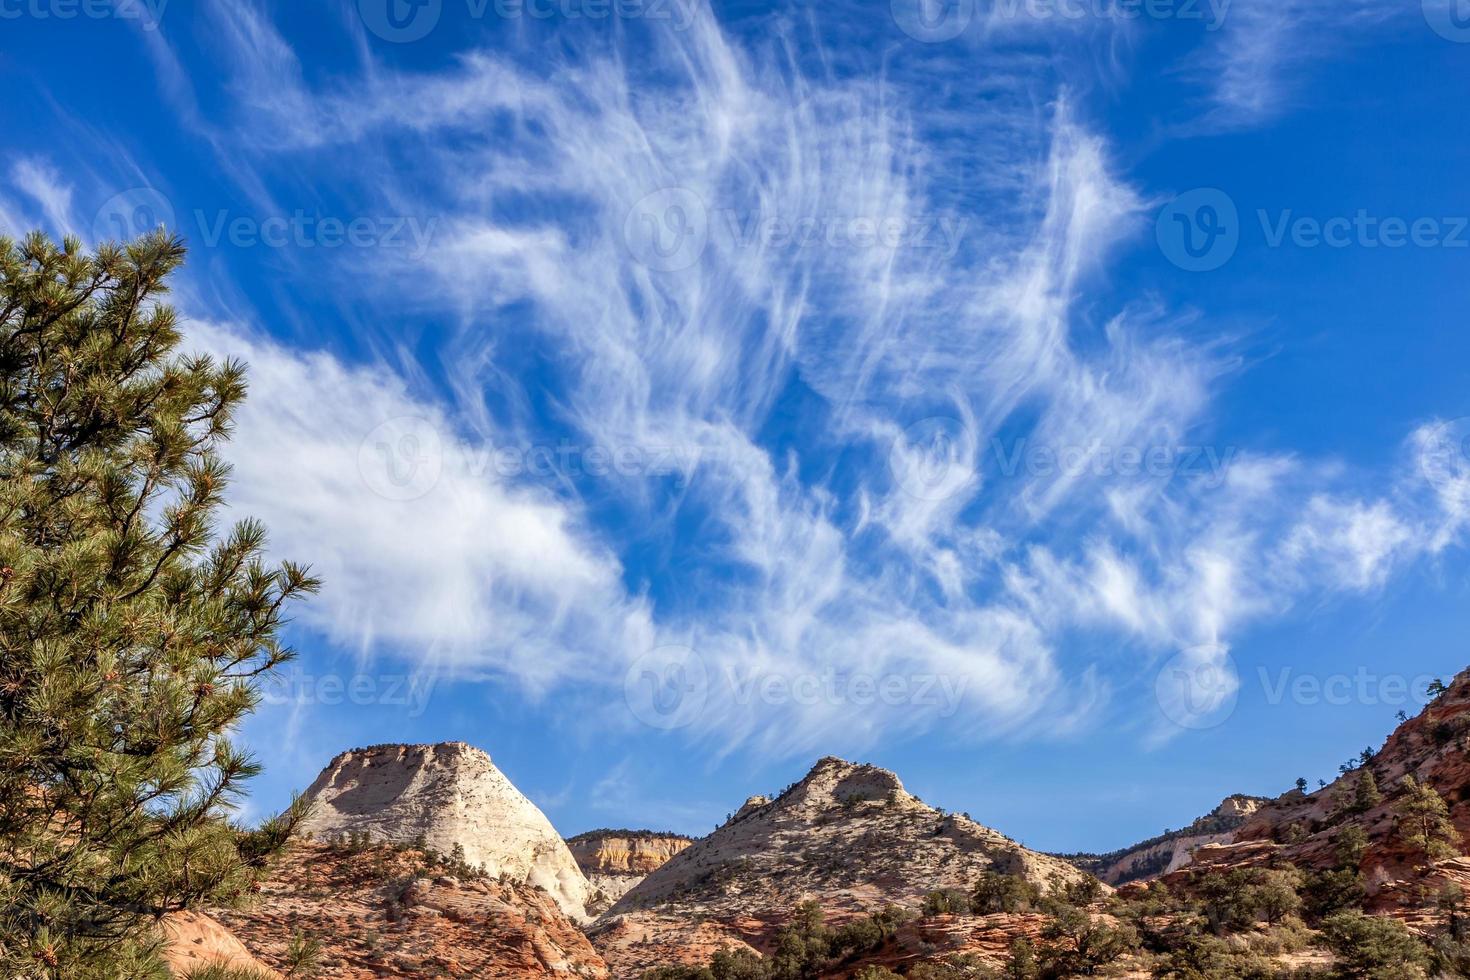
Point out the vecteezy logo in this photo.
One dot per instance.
(1199, 231)
(401, 459)
(132, 213)
(1444, 456)
(1197, 688)
(932, 21)
(666, 688)
(1449, 19)
(667, 230)
(400, 21)
(933, 458)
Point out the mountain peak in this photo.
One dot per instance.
(448, 794)
(846, 833)
(837, 782)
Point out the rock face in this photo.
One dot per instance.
(847, 836)
(447, 794)
(1172, 850)
(388, 912)
(614, 861)
(197, 942)
(1303, 828)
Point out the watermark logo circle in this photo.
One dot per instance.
(1450, 19)
(1198, 687)
(932, 21)
(401, 459)
(1444, 455)
(400, 21)
(132, 213)
(931, 460)
(667, 687)
(1199, 230)
(667, 230)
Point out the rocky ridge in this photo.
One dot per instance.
(1172, 849)
(1304, 828)
(383, 911)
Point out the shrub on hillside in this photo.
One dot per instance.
(946, 901)
(1237, 899)
(963, 967)
(1076, 944)
(995, 892)
(1374, 947)
(804, 948)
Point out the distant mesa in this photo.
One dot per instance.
(615, 861)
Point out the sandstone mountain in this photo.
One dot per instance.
(392, 911)
(614, 861)
(446, 795)
(846, 835)
(1172, 849)
(1306, 828)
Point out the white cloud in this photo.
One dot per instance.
(1255, 66)
(48, 192)
(426, 554)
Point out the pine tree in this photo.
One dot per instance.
(1424, 821)
(132, 633)
(1366, 794)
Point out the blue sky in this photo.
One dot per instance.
(1062, 403)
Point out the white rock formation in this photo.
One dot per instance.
(449, 793)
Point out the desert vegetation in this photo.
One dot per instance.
(1269, 923)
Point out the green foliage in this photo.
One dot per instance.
(946, 901)
(737, 964)
(679, 972)
(875, 973)
(995, 892)
(805, 948)
(1077, 944)
(303, 956)
(1366, 794)
(1202, 957)
(1449, 956)
(1082, 892)
(217, 972)
(1424, 821)
(1451, 902)
(1350, 844)
(1241, 897)
(1275, 894)
(352, 842)
(960, 967)
(1327, 892)
(132, 631)
(1374, 947)
(1022, 964)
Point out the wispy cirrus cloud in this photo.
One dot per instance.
(1256, 67)
(652, 245)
